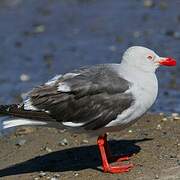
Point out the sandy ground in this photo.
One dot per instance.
(52, 154)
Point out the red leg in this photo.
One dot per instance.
(109, 155)
(104, 151)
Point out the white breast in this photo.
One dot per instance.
(144, 89)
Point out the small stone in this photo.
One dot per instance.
(113, 48)
(159, 127)
(20, 142)
(174, 114)
(149, 3)
(164, 133)
(156, 176)
(173, 156)
(39, 28)
(130, 131)
(54, 178)
(36, 178)
(85, 141)
(62, 131)
(63, 142)
(42, 174)
(56, 175)
(24, 77)
(176, 118)
(46, 149)
(164, 119)
(76, 174)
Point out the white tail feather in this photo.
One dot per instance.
(7, 122)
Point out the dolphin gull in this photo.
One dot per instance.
(96, 99)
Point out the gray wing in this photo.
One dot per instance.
(90, 96)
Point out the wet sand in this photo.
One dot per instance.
(41, 153)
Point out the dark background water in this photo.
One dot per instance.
(42, 38)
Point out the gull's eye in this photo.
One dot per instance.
(150, 57)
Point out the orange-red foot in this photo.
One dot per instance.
(106, 155)
(119, 159)
(118, 169)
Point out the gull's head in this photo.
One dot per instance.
(145, 59)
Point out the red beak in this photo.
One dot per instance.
(168, 62)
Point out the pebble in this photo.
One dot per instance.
(174, 114)
(176, 118)
(56, 175)
(159, 127)
(46, 149)
(113, 48)
(63, 142)
(24, 77)
(36, 178)
(130, 131)
(54, 178)
(148, 3)
(76, 174)
(156, 177)
(20, 142)
(172, 156)
(39, 28)
(85, 141)
(174, 34)
(42, 174)
(62, 130)
(164, 119)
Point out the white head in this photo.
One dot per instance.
(145, 59)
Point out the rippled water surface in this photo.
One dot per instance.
(39, 39)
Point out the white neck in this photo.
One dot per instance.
(144, 84)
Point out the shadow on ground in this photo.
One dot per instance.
(72, 159)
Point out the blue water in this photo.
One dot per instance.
(44, 38)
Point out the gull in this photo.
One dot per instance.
(97, 99)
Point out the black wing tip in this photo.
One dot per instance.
(8, 108)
